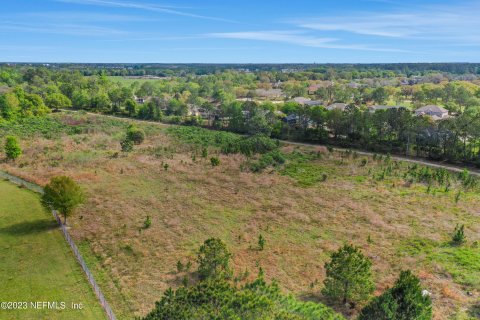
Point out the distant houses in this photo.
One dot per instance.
(269, 93)
(337, 106)
(434, 111)
(307, 101)
(140, 100)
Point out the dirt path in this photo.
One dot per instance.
(398, 158)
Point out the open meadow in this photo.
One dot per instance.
(305, 201)
(36, 262)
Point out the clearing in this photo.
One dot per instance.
(305, 209)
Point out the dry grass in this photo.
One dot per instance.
(192, 201)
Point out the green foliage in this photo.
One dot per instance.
(12, 148)
(348, 275)
(126, 145)
(227, 142)
(301, 167)
(272, 158)
(136, 135)
(261, 242)
(180, 266)
(62, 194)
(214, 161)
(216, 299)
(147, 223)
(57, 101)
(458, 237)
(213, 259)
(404, 301)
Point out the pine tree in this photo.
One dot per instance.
(349, 275)
(12, 148)
(404, 301)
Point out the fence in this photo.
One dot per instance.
(91, 280)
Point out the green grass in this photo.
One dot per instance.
(36, 263)
(57, 124)
(462, 263)
(303, 170)
(129, 81)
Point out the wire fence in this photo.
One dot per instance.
(91, 280)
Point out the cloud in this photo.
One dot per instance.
(457, 23)
(67, 29)
(143, 6)
(81, 16)
(296, 37)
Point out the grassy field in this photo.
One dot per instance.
(129, 80)
(304, 208)
(36, 263)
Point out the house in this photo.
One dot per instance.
(139, 100)
(434, 111)
(301, 100)
(313, 88)
(269, 93)
(291, 119)
(337, 106)
(313, 103)
(376, 108)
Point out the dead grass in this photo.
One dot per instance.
(192, 201)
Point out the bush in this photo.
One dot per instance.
(458, 237)
(261, 242)
(12, 148)
(214, 161)
(136, 135)
(273, 158)
(405, 300)
(127, 145)
(148, 222)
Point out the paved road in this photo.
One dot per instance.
(399, 158)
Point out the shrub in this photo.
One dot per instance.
(180, 266)
(458, 237)
(147, 223)
(214, 161)
(213, 259)
(349, 275)
(136, 135)
(261, 242)
(204, 152)
(405, 300)
(12, 148)
(273, 158)
(126, 145)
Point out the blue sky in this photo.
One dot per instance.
(241, 31)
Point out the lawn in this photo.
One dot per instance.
(36, 264)
(305, 209)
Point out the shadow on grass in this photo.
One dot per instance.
(29, 227)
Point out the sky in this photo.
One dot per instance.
(240, 31)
